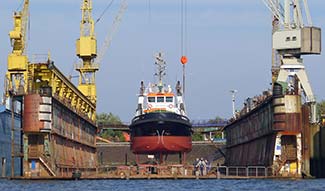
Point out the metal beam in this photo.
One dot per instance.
(46, 74)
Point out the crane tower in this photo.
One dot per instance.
(292, 38)
(16, 77)
(86, 49)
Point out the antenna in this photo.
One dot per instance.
(161, 67)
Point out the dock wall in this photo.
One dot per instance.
(120, 154)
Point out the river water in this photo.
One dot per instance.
(164, 185)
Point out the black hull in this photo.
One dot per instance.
(154, 124)
(160, 132)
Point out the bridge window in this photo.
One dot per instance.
(151, 99)
(160, 99)
(169, 99)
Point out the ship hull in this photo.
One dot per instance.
(160, 133)
(161, 144)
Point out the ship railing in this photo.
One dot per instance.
(146, 170)
(245, 171)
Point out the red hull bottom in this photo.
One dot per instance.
(161, 144)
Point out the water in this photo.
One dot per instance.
(165, 185)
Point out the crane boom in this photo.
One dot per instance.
(111, 32)
(289, 12)
(275, 8)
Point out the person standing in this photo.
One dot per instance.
(195, 165)
(202, 166)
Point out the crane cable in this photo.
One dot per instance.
(149, 11)
(97, 20)
(183, 39)
(183, 27)
(105, 10)
(20, 5)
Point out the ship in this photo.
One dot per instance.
(160, 125)
(271, 131)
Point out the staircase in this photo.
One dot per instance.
(45, 161)
(281, 163)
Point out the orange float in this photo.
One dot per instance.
(183, 60)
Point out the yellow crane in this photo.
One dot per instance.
(86, 49)
(17, 60)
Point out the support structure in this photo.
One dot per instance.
(48, 75)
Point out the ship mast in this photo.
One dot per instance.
(161, 70)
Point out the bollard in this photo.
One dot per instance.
(218, 175)
(197, 173)
(122, 175)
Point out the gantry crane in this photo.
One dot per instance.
(86, 49)
(16, 76)
(291, 39)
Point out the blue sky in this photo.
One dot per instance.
(228, 47)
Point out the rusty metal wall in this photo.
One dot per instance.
(71, 126)
(70, 155)
(257, 153)
(256, 124)
(58, 140)
(31, 122)
(290, 122)
(287, 113)
(251, 138)
(73, 141)
(306, 143)
(317, 148)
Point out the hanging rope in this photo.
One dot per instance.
(183, 39)
(105, 10)
(20, 5)
(149, 11)
(183, 27)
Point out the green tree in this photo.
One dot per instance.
(197, 137)
(321, 107)
(217, 119)
(110, 119)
